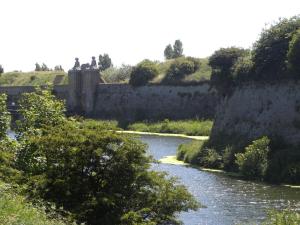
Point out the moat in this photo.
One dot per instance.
(226, 200)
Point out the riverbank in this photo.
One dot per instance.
(171, 159)
(200, 138)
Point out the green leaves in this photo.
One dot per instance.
(4, 116)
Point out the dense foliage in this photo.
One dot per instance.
(270, 51)
(1, 69)
(143, 73)
(180, 68)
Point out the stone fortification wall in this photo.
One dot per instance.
(254, 110)
(154, 102)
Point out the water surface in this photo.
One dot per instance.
(228, 200)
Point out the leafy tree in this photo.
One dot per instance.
(104, 62)
(38, 109)
(102, 176)
(270, 51)
(1, 69)
(38, 67)
(222, 62)
(294, 53)
(4, 116)
(168, 53)
(254, 162)
(177, 49)
(143, 73)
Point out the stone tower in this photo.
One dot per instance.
(83, 82)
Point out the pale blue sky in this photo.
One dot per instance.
(56, 31)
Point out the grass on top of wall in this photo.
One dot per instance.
(15, 209)
(33, 78)
(187, 127)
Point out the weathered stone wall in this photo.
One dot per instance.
(254, 110)
(154, 102)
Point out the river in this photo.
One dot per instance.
(227, 200)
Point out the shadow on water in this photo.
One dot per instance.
(227, 200)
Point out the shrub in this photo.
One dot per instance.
(180, 68)
(254, 162)
(143, 73)
(284, 217)
(117, 74)
(4, 116)
(270, 51)
(294, 53)
(209, 158)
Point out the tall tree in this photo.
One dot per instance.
(104, 62)
(38, 67)
(177, 49)
(168, 53)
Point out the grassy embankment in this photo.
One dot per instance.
(15, 210)
(33, 78)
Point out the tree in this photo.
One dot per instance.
(270, 51)
(1, 69)
(222, 62)
(38, 67)
(4, 116)
(39, 109)
(99, 175)
(45, 67)
(168, 53)
(177, 49)
(104, 62)
(143, 73)
(294, 53)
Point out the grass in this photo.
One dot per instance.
(187, 127)
(16, 210)
(285, 217)
(100, 124)
(33, 78)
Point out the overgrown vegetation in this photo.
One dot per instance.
(188, 127)
(285, 217)
(263, 159)
(92, 174)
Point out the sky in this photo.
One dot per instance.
(56, 31)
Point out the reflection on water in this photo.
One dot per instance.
(228, 201)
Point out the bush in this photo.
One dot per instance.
(117, 74)
(294, 53)
(180, 68)
(254, 162)
(242, 70)
(270, 51)
(143, 73)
